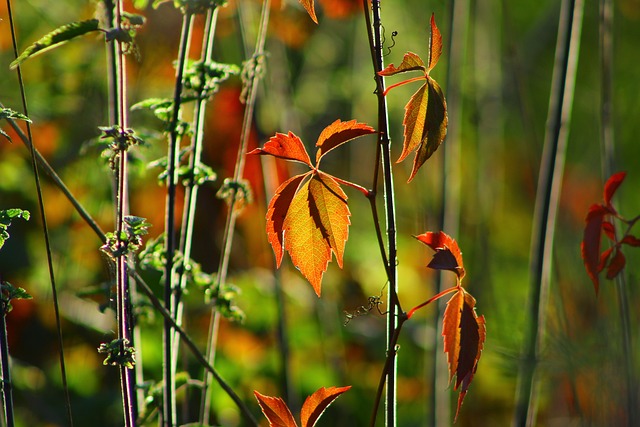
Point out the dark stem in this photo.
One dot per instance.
(547, 196)
(45, 228)
(7, 388)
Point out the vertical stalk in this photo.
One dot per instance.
(547, 198)
(169, 401)
(122, 277)
(229, 230)
(45, 227)
(7, 392)
(459, 20)
(607, 144)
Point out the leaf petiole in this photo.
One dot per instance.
(404, 82)
(432, 299)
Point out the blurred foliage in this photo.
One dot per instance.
(314, 75)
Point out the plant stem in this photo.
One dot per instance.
(43, 217)
(229, 231)
(547, 197)
(7, 393)
(607, 144)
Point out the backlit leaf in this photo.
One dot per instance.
(612, 185)
(304, 238)
(631, 241)
(425, 120)
(590, 246)
(447, 256)
(276, 213)
(276, 411)
(464, 335)
(56, 38)
(616, 265)
(288, 147)
(339, 132)
(315, 404)
(309, 7)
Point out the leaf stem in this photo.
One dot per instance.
(404, 82)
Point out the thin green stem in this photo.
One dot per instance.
(547, 197)
(45, 228)
(229, 231)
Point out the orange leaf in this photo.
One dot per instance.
(304, 238)
(288, 147)
(464, 335)
(332, 211)
(339, 132)
(425, 120)
(315, 404)
(447, 256)
(435, 43)
(277, 211)
(309, 7)
(276, 411)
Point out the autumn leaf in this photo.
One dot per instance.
(464, 335)
(590, 246)
(309, 7)
(279, 415)
(316, 404)
(276, 411)
(425, 120)
(308, 216)
(447, 256)
(610, 188)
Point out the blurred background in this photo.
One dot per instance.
(316, 74)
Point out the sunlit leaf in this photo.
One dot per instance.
(464, 335)
(316, 404)
(309, 7)
(447, 256)
(276, 411)
(339, 132)
(435, 43)
(277, 212)
(288, 147)
(56, 38)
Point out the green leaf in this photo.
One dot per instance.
(6, 216)
(56, 38)
(7, 113)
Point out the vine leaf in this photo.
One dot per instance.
(316, 404)
(425, 120)
(8, 113)
(464, 335)
(309, 7)
(308, 216)
(276, 411)
(279, 415)
(448, 255)
(597, 223)
(56, 38)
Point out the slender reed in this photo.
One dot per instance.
(547, 197)
(607, 144)
(45, 228)
(254, 70)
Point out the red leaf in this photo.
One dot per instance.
(630, 240)
(609, 230)
(447, 256)
(590, 247)
(604, 259)
(288, 147)
(339, 132)
(315, 404)
(410, 62)
(309, 7)
(612, 185)
(276, 411)
(277, 211)
(616, 265)
(464, 335)
(435, 43)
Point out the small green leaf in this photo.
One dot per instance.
(56, 38)
(6, 216)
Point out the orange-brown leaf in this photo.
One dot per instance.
(339, 132)
(304, 238)
(309, 7)
(277, 212)
(276, 411)
(330, 202)
(464, 335)
(414, 121)
(435, 43)
(288, 147)
(315, 404)
(410, 62)
(448, 255)
(434, 127)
